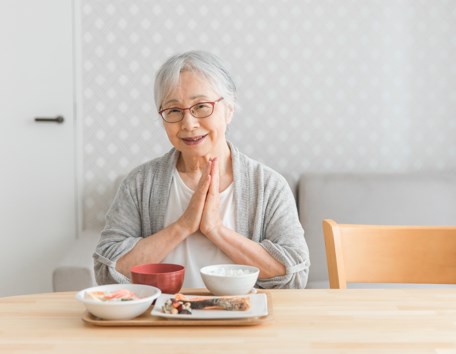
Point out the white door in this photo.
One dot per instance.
(37, 174)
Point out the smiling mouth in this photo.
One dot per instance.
(194, 139)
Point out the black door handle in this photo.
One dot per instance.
(58, 119)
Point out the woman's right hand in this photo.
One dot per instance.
(191, 218)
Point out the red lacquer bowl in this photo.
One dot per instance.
(167, 277)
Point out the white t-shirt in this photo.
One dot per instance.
(196, 251)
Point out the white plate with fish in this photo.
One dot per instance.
(214, 307)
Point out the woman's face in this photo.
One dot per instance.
(197, 137)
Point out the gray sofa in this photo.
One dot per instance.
(412, 198)
(75, 271)
(397, 199)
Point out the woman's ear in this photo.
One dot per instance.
(229, 113)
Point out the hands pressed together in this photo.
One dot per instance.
(203, 211)
(203, 214)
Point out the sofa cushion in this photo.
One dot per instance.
(75, 271)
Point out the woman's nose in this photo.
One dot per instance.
(188, 120)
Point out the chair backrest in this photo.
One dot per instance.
(389, 254)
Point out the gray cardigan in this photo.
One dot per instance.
(265, 212)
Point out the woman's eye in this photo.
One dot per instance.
(202, 105)
(173, 110)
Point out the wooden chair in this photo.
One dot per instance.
(389, 254)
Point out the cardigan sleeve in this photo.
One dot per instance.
(121, 233)
(137, 211)
(282, 234)
(267, 213)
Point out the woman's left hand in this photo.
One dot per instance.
(210, 220)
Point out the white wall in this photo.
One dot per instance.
(344, 86)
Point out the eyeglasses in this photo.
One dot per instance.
(198, 110)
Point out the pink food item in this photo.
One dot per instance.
(119, 295)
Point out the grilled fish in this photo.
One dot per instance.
(227, 303)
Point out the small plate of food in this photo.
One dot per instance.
(197, 307)
(118, 301)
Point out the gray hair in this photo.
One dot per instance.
(206, 64)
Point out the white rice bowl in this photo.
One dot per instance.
(229, 279)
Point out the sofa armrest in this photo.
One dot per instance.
(75, 271)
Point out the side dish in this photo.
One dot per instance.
(181, 304)
(118, 295)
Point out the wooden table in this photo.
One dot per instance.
(303, 321)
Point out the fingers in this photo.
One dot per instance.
(210, 219)
(199, 197)
(215, 179)
(191, 217)
(203, 211)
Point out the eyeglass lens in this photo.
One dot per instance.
(199, 110)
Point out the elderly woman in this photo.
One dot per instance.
(203, 202)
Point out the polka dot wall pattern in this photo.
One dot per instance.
(324, 85)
